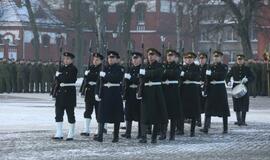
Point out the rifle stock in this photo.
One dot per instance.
(207, 81)
(84, 83)
(56, 84)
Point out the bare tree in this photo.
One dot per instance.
(99, 8)
(243, 12)
(34, 27)
(126, 24)
(78, 25)
(178, 17)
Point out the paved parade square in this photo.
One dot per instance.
(27, 125)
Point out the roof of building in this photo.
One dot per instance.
(13, 15)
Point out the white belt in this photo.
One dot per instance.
(167, 82)
(237, 82)
(92, 83)
(111, 85)
(152, 83)
(133, 86)
(68, 84)
(217, 82)
(192, 82)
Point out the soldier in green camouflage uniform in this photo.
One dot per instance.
(5, 85)
(252, 86)
(13, 76)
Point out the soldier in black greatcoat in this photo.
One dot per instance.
(203, 66)
(88, 91)
(217, 100)
(66, 96)
(170, 85)
(190, 90)
(240, 74)
(153, 108)
(132, 104)
(109, 94)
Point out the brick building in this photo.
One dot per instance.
(152, 21)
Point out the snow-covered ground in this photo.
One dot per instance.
(28, 112)
(27, 123)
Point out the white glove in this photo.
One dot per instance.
(86, 72)
(57, 73)
(142, 72)
(229, 84)
(208, 72)
(182, 74)
(127, 76)
(245, 80)
(203, 94)
(97, 98)
(137, 97)
(102, 74)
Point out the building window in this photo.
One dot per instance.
(140, 12)
(165, 6)
(231, 35)
(46, 40)
(120, 15)
(253, 33)
(204, 35)
(9, 39)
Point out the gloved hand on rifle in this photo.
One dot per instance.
(102, 74)
(86, 72)
(57, 73)
(97, 98)
(208, 72)
(142, 72)
(127, 76)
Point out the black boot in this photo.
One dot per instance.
(238, 118)
(225, 125)
(172, 130)
(99, 136)
(180, 127)
(128, 130)
(192, 127)
(154, 134)
(163, 131)
(243, 122)
(143, 134)
(207, 122)
(199, 122)
(139, 130)
(116, 132)
(149, 129)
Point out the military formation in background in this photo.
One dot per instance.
(26, 76)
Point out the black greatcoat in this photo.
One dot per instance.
(153, 108)
(190, 93)
(66, 96)
(132, 108)
(217, 100)
(172, 92)
(238, 73)
(89, 91)
(111, 104)
(202, 79)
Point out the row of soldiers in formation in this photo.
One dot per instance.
(34, 77)
(26, 76)
(154, 94)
